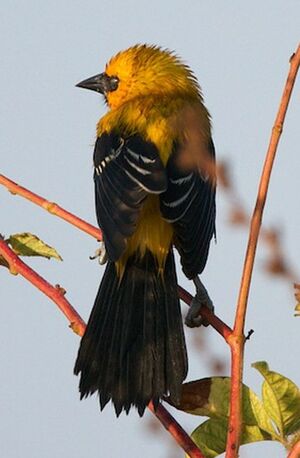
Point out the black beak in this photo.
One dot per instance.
(100, 83)
(95, 83)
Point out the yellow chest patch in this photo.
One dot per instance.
(152, 233)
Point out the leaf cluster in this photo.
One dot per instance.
(274, 417)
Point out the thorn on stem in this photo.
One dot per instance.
(249, 334)
(75, 328)
(61, 290)
(292, 57)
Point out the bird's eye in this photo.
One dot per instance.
(113, 83)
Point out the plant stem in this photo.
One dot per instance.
(236, 341)
(295, 452)
(178, 433)
(16, 265)
(222, 328)
(51, 207)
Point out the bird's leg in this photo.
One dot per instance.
(100, 254)
(194, 318)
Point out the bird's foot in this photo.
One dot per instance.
(194, 318)
(100, 254)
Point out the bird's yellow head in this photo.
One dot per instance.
(140, 71)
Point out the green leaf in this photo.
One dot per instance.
(281, 398)
(211, 436)
(254, 412)
(210, 397)
(27, 244)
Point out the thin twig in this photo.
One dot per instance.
(237, 340)
(16, 265)
(295, 452)
(222, 328)
(178, 433)
(51, 207)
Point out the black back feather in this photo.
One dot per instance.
(189, 204)
(126, 171)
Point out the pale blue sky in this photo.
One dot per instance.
(239, 51)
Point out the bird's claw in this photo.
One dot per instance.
(100, 254)
(194, 318)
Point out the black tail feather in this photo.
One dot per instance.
(133, 350)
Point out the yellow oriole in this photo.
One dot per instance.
(152, 191)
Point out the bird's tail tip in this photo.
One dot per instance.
(133, 350)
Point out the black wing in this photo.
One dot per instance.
(126, 170)
(189, 204)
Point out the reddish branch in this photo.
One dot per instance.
(51, 207)
(213, 320)
(178, 433)
(236, 341)
(56, 294)
(295, 452)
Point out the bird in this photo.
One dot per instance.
(155, 186)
